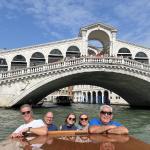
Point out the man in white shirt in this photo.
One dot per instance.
(31, 125)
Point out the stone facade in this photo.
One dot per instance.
(29, 74)
(80, 95)
(45, 53)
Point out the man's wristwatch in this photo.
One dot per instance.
(29, 129)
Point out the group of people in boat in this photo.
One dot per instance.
(103, 124)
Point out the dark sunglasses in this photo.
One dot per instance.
(83, 119)
(104, 113)
(25, 112)
(73, 119)
(50, 117)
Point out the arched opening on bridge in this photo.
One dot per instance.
(37, 59)
(54, 56)
(94, 47)
(99, 97)
(91, 52)
(89, 97)
(141, 57)
(99, 41)
(125, 53)
(73, 51)
(106, 98)
(18, 62)
(94, 97)
(3, 65)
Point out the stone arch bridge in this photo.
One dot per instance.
(128, 78)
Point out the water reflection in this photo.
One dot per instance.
(107, 146)
(79, 142)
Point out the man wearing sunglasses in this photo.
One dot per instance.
(105, 124)
(31, 125)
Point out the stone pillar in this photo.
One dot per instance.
(28, 62)
(91, 97)
(112, 41)
(84, 43)
(82, 96)
(96, 97)
(86, 97)
(8, 60)
(102, 97)
(9, 66)
(46, 60)
(111, 49)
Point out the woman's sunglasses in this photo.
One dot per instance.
(73, 119)
(83, 119)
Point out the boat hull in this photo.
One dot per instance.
(74, 140)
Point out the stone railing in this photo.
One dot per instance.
(75, 61)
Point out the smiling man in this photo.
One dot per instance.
(105, 124)
(31, 125)
(48, 119)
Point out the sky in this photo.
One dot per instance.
(31, 22)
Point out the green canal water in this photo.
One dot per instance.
(136, 120)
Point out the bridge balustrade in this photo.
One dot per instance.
(75, 61)
(146, 67)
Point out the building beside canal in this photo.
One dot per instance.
(88, 94)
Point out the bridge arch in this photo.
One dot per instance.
(18, 62)
(55, 55)
(37, 58)
(124, 52)
(105, 79)
(102, 37)
(142, 57)
(73, 51)
(91, 52)
(3, 65)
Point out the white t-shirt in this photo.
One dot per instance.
(34, 124)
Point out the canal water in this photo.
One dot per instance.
(136, 120)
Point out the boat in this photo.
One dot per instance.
(63, 100)
(38, 105)
(74, 140)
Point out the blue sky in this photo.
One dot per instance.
(31, 22)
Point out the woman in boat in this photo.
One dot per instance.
(83, 122)
(69, 122)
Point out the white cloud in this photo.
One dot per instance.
(65, 14)
(65, 17)
(134, 17)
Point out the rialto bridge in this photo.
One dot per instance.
(29, 74)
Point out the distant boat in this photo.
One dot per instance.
(63, 100)
(38, 105)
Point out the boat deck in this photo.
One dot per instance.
(76, 142)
